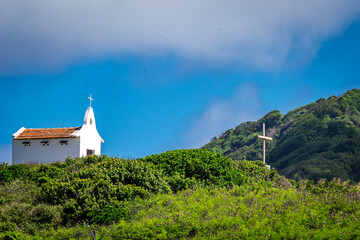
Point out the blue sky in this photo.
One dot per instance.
(169, 75)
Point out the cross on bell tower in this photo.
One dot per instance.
(90, 99)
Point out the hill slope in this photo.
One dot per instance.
(318, 140)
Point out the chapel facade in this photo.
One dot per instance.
(47, 145)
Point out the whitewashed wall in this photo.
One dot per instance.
(38, 153)
(89, 141)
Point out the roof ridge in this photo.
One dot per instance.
(41, 133)
(53, 128)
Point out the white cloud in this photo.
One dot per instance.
(41, 34)
(222, 115)
(5, 153)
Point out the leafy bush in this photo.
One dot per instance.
(87, 189)
(238, 212)
(109, 214)
(199, 164)
(12, 235)
(12, 172)
(174, 195)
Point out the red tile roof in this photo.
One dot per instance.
(39, 133)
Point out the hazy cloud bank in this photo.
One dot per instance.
(223, 114)
(43, 35)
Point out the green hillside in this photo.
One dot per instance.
(180, 194)
(318, 140)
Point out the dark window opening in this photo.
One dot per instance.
(26, 144)
(64, 142)
(45, 143)
(90, 152)
(90, 121)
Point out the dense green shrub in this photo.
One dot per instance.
(199, 164)
(241, 213)
(13, 235)
(12, 172)
(88, 188)
(109, 214)
(174, 195)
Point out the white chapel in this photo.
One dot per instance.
(47, 145)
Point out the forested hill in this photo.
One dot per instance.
(318, 140)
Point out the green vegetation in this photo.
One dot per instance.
(196, 168)
(318, 140)
(175, 195)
